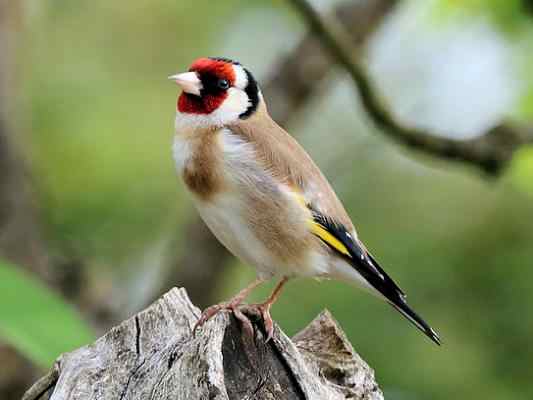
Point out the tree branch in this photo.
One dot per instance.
(490, 152)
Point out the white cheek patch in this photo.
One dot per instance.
(234, 105)
(241, 79)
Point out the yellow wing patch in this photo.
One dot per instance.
(327, 237)
(322, 232)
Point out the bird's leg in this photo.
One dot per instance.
(264, 308)
(231, 305)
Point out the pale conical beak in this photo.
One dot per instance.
(189, 82)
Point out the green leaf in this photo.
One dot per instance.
(37, 321)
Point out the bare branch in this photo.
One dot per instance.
(491, 152)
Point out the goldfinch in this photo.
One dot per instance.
(262, 195)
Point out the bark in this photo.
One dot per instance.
(154, 355)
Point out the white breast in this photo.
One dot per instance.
(226, 213)
(225, 219)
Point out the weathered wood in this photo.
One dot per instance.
(154, 355)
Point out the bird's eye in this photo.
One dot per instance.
(223, 84)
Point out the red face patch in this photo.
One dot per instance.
(210, 72)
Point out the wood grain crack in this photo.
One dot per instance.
(154, 356)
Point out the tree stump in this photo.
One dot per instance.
(154, 355)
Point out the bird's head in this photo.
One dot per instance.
(217, 91)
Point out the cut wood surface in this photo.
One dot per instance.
(154, 355)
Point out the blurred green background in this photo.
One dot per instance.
(91, 114)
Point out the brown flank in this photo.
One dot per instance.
(202, 172)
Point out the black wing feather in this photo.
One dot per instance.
(366, 265)
(359, 258)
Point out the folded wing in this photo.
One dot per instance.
(342, 242)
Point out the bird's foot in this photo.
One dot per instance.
(234, 307)
(261, 310)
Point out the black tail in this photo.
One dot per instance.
(408, 313)
(384, 285)
(394, 295)
(368, 268)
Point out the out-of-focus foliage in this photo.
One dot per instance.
(37, 321)
(98, 110)
(525, 108)
(522, 169)
(509, 15)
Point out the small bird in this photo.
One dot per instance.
(262, 195)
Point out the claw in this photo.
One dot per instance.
(245, 321)
(208, 313)
(262, 311)
(232, 305)
(269, 324)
